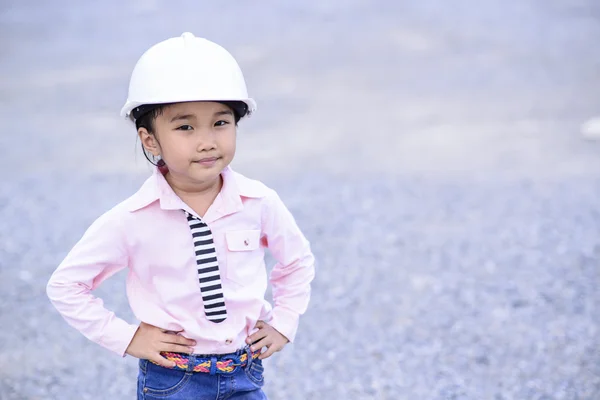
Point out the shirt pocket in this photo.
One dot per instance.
(245, 257)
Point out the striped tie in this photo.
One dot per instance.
(208, 270)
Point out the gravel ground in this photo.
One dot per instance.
(429, 151)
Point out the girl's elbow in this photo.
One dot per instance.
(53, 290)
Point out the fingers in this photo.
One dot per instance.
(177, 339)
(176, 348)
(265, 342)
(260, 325)
(149, 341)
(163, 362)
(170, 332)
(272, 349)
(257, 336)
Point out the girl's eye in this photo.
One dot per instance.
(185, 128)
(221, 123)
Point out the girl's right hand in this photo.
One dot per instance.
(149, 341)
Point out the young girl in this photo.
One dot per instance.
(193, 240)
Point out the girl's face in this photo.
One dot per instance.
(196, 140)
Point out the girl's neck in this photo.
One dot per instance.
(199, 196)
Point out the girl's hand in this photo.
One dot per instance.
(149, 341)
(268, 337)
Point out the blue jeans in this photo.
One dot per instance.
(156, 382)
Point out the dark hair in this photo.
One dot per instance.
(149, 113)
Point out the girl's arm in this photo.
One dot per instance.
(294, 270)
(100, 253)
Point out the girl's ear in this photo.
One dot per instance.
(149, 141)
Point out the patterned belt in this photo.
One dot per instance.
(224, 364)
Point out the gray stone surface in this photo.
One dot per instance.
(430, 150)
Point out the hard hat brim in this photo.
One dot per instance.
(128, 110)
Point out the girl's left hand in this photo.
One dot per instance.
(268, 337)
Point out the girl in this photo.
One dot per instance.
(193, 240)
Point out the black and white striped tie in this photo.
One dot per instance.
(208, 270)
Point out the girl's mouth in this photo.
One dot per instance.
(207, 162)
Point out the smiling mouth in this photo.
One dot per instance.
(207, 161)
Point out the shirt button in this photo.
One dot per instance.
(228, 341)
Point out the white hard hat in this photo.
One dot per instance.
(186, 68)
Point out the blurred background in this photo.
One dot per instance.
(430, 150)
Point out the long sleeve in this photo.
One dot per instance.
(294, 270)
(100, 253)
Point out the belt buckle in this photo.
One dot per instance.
(236, 363)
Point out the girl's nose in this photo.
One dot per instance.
(206, 142)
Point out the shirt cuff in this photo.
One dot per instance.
(118, 335)
(286, 322)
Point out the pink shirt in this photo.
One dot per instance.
(149, 234)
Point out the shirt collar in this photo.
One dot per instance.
(228, 201)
